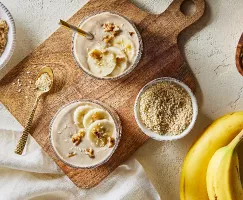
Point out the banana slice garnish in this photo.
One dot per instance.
(121, 60)
(101, 62)
(94, 115)
(126, 45)
(79, 114)
(99, 131)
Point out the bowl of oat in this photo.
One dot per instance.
(7, 35)
(166, 109)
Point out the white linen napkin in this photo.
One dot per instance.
(35, 176)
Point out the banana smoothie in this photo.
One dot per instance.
(84, 134)
(115, 49)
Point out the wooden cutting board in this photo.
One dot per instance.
(161, 57)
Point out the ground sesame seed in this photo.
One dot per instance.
(166, 108)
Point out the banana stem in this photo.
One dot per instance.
(236, 141)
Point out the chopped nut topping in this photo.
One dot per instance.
(120, 59)
(77, 138)
(108, 27)
(112, 29)
(131, 33)
(111, 142)
(71, 154)
(96, 54)
(90, 152)
(108, 38)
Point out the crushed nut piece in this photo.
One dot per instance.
(108, 38)
(111, 142)
(90, 152)
(112, 28)
(27, 72)
(131, 33)
(108, 27)
(71, 154)
(120, 59)
(96, 54)
(77, 138)
(19, 90)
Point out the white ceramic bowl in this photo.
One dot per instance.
(9, 49)
(154, 135)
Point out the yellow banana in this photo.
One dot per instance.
(223, 180)
(219, 134)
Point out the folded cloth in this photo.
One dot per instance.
(35, 176)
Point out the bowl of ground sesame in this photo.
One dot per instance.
(166, 109)
(7, 35)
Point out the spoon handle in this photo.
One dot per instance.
(76, 29)
(23, 139)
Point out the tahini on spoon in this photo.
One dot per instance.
(39, 92)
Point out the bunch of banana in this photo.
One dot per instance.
(223, 179)
(219, 134)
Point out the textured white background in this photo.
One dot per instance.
(208, 46)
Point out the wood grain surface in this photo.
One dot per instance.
(161, 57)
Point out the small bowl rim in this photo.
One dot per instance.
(126, 72)
(115, 118)
(155, 135)
(12, 48)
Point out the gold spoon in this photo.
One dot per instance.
(22, 141)
(88, 35)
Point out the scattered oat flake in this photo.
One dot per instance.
(19, 90)
(13, 83)
(27, 72)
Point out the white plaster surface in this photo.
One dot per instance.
(208, 46)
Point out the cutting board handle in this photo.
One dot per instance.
(239, 55)
(182, 20)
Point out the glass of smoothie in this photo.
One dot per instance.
(85, 133)
(115, 49)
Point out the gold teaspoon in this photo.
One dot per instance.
(22, 141)
(88, 35)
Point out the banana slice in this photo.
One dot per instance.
(121, 60)
(99, 131)
(126, 45)
(94, 115)
(101, 62)
(79, 114)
